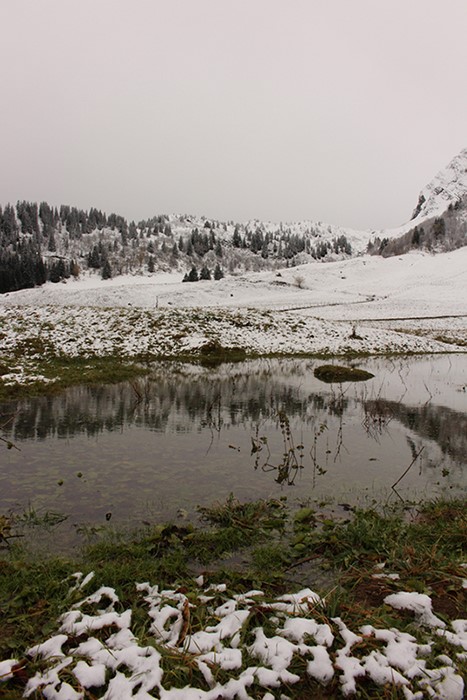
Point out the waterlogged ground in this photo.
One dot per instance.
(187, 435)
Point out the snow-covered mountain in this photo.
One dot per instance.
(445, 193)
(40, 242)
(443, 198)
(448, 188)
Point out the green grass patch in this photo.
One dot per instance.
(62, 372)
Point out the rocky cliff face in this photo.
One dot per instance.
(447, 190)
(439, 221)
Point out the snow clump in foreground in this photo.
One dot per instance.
(229, 655)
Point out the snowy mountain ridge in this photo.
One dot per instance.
(40, 243)
(448, 187)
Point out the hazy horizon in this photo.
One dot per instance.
(232, 110)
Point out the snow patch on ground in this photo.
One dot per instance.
(253, 658)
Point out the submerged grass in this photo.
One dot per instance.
(51, 374)
(252, 545)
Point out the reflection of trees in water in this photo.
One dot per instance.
(180, 402)
(170, 402)
(443, 425)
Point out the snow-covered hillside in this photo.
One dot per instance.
(417, 284)
(413, 303)
(40, 243)
(448, 188)
(274, 298)
(444, 196)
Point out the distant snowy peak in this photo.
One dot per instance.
(448, 187)
(447, 190)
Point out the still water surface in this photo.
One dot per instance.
(189, 435)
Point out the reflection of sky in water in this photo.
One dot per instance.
(184, 437)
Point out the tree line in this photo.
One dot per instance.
(39, 243)
(439, 234)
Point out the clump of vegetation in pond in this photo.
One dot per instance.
(213, 353)
(337, 374)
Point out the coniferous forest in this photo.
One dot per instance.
(40, 243)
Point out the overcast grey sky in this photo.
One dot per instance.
(331, 110)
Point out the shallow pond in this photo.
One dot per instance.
(189, 435)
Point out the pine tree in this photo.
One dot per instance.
(9, 224)
(416, 237)
(40, 271)
(193, 275)
(106, 270)
(218, 274)
(236, 238)
(51, 246)
(58, 270)
(94, 258)
(438, 228)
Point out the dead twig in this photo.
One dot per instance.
(408, 468)
(302, 561)
(10, 445)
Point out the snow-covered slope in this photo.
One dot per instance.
(449, 187)
(310, 308)
(447, 190)
(416, 284)
(370, 304)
